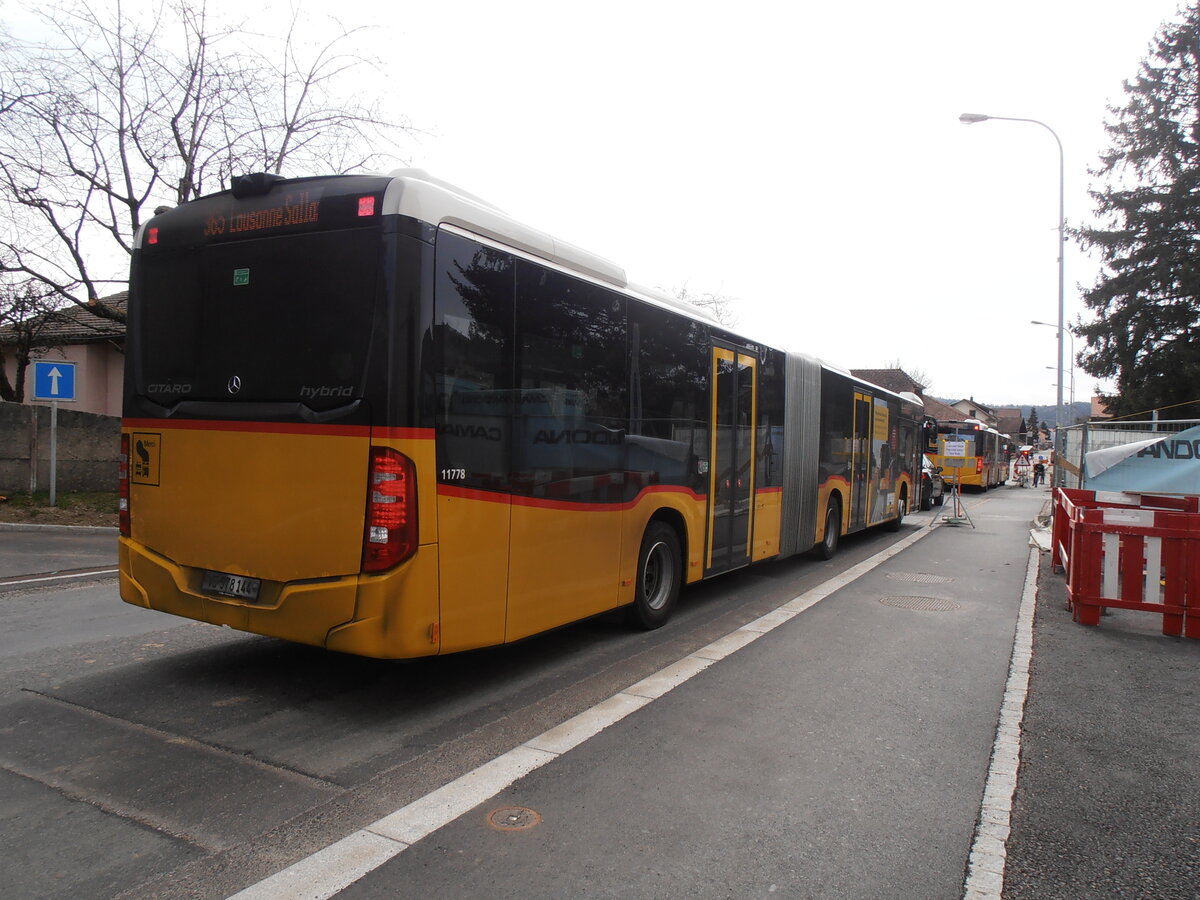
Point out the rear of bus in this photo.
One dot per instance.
(270, 456)
(961, 454)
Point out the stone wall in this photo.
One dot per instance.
(88, 449)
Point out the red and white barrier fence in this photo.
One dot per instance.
(1129, 551)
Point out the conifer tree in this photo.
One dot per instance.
(1145, 305)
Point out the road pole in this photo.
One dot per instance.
(54, 453)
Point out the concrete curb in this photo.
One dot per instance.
(1040, 538)
(60, 529)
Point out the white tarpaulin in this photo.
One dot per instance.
(1101, 460)
(1169, 464)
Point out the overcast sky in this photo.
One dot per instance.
(803, 158)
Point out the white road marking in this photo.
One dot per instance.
(985, 871)
(329, 870)
(91, 574)
(336, 867)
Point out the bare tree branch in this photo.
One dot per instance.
(721, 306)
(23, 309)
(122, 109)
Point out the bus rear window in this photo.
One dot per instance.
(273, 319)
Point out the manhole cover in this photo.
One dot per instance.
(921, 604)
(513, 818)
(920, 577)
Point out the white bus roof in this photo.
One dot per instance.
(416, 193)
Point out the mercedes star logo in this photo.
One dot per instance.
(235, 384)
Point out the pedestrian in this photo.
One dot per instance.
(1039, 473)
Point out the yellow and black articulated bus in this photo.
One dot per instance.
(375, 414)
(984, 448)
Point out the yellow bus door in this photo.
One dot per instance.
(731, 471)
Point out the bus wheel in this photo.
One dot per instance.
(658, 577)
(901, 509)
(833, 530)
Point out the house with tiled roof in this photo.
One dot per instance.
(95, 345)
(899, 381)
(941, 411)
(895, 380)
(970, 408)
(1011, 421)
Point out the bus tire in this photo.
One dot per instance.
(901, 509)
(833, 529)
(659, 577)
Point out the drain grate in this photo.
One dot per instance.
(920, 577)
(513, 818)
(921, 604)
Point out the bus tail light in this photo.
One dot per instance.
(390, 536)
(979, 465)
(123, 487)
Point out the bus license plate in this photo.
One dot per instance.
(225, 585)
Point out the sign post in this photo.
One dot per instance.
(53, 381)
(954, 456)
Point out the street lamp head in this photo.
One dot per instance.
(972, 118)
(1036, 322)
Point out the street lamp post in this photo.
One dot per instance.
(971, 119)
(1071, 335)
(1071, 382)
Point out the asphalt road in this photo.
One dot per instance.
(171, 758)
(842, 754)
(35, 551)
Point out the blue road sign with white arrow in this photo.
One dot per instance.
(53, 380)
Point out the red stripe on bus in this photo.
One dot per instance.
(247, 427)
(404, 434)
(449, 490)
(364, 431)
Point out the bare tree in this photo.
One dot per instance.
(119, 112)
(23, 309)
(721, 306)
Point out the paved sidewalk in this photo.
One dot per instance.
(1108, 792)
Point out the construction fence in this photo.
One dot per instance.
(1129, 551)
(1079, 440)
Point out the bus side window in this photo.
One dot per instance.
(473, 320)
(668, 423)
(769, 442)
(573, 403)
